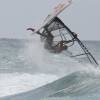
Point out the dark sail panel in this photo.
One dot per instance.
(62, 33)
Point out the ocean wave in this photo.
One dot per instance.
(13, 83)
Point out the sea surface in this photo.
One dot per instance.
(26, 66)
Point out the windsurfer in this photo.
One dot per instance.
(49, 44)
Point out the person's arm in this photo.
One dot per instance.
(33, 30)
(67, 41)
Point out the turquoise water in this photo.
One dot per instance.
(26, 66)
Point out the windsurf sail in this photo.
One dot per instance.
(52, 24)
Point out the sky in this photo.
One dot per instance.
(82, 17)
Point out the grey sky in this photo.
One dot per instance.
(83, 17)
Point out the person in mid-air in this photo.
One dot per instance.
(49, 44)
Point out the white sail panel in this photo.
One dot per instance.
(56, 11)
